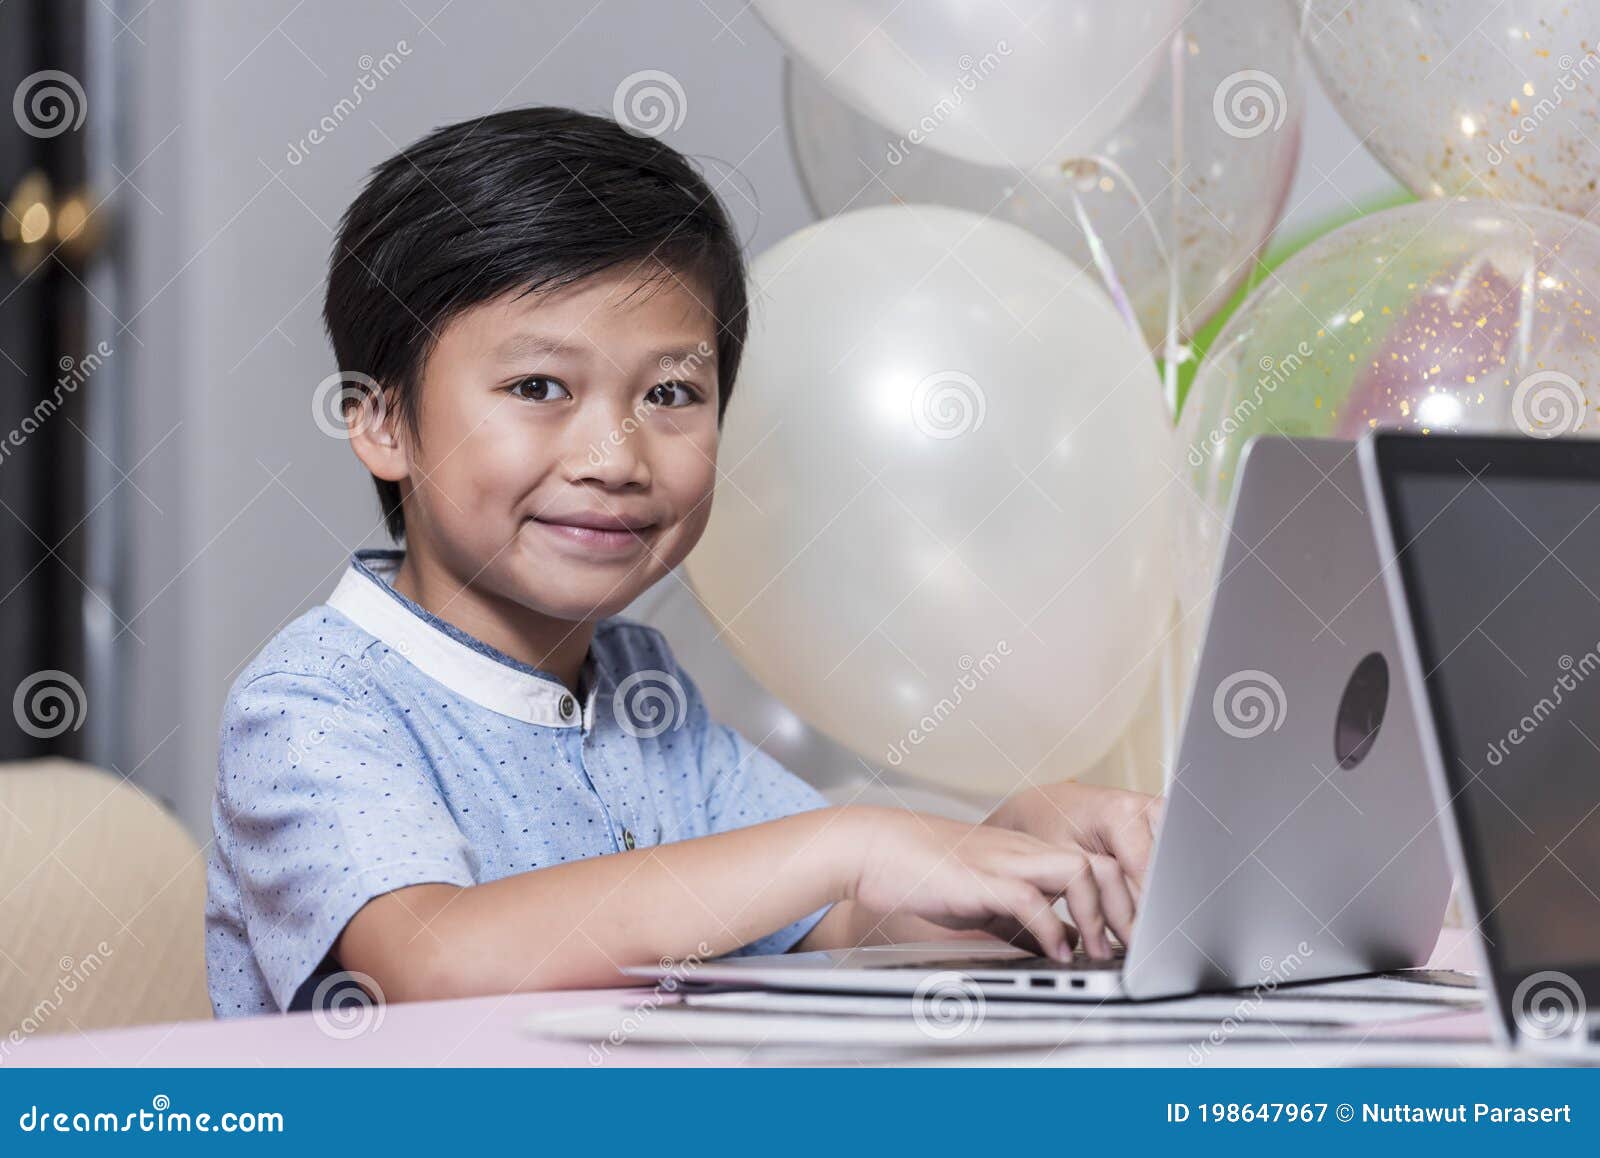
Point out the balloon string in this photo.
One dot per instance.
(1098, 251)
(1525, 316)
(1171, 702)
(1167, 674)
(1463, 281)
(1173, 354)
(1074, 170)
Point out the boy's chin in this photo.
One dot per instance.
(594, 599)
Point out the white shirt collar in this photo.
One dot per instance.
(469, 668)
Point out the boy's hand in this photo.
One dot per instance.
(964, 876)
(1105, 821)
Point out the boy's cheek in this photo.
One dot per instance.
(496, 466)
(698, 494)
(693, 527)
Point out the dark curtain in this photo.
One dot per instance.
(42, 451)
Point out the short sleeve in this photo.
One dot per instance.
(324, 801)
(747, 786)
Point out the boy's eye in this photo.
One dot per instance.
(672, 394)
(539, 388)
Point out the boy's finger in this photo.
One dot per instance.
(1071, 930)
(1049, 869)
(1083, 902)
(1032, 911)
(1116, 902)
(1154, 813)
(1068, 873)
(1008, 930)
(1132, 843)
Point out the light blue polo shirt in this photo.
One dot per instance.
(371, 746)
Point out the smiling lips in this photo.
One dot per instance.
(599, 533)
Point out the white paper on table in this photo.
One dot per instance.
(678, 1024)
(1197, 1015)
(1463, 991)
(797, 1019)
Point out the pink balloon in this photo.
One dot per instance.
(1422, 374)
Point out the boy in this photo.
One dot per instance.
(454, 777)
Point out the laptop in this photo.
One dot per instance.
(1299, 841)
(1491, 549)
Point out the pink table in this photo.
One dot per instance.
(483, 1031)
(478, 1031)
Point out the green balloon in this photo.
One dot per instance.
(1278, 253)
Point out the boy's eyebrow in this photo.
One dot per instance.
(530, 345)
(668, 359)
(691, 355)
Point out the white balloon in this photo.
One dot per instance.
(1241, 140)
(995, 82)
(738, 701)
(941, 529)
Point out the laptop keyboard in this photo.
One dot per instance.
(1081, 963)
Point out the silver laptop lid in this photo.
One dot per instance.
(1299, 840)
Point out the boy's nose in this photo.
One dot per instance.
(612, 451)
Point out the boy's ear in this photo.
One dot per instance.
(375, 435)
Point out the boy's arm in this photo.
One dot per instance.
(575, 925)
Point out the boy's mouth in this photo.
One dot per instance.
(600, 532)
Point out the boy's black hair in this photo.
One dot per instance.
(529, 199)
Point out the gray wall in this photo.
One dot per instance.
(247, 511)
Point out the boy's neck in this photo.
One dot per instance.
(557, 646)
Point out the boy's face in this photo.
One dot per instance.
(544, 420)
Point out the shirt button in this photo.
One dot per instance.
(627, 839)
(568, 706)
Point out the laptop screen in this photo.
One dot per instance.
(1498, 547)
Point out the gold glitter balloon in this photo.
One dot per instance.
(1468, 97)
